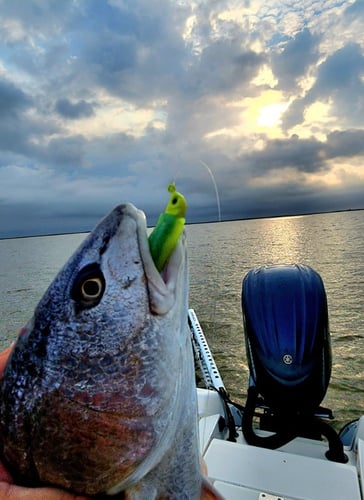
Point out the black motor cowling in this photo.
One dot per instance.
(289, 355)
(287, 335)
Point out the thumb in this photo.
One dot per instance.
(13, 492)
(4, 357)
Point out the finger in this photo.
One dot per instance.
(4, 475)
(4, 357)
(13, 492)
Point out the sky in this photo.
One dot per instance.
(107, 101)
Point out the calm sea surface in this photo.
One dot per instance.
(220, 255)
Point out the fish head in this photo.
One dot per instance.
(100, 384)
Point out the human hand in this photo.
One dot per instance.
(10, 491)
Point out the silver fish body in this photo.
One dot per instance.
(99, 395)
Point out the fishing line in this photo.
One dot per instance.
(224, 395)
(215, 288)
(216, 190)
(218, 205)
(212, 383)
(220, 390)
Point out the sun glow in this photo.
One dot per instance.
(263, 113)
(270, 116)
(251, 116)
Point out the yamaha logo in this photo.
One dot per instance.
(287, 359)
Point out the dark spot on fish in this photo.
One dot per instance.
(104, 245)
(40, 348)
(128, 281)
(107, 364)
(31, 369)
(106, 360)
(70, 363)
(26, 356)
(95, 370)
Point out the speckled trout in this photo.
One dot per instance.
(98, 396)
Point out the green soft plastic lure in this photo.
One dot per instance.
(164, 237)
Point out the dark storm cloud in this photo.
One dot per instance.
(345, 143)
(71, 217)
(138, 54)
(74, 110)
(340, 72)
(223, 66)
(65, 151)
(289, 199)
(293, 61)
(111, 58)
(13, 137)
(12, 99)
(16, 127)
(306, 155)
(339, 79)
(31, 35)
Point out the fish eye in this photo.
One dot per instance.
(89, 286)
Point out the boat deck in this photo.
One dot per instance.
(298, 470)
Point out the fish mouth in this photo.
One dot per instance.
(163, 285)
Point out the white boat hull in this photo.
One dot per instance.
(298, 470)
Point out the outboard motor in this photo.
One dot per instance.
(289, 354)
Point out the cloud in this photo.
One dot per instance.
(345, 143)
(294, 60)
(223, 66)
(354, 11)
(12, 99)
(15, 123)
(104, 102)
(306, 155)
(339, 81)
(139, 53)
(340, 72)
(74, 110)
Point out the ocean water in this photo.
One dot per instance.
(220, 254)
